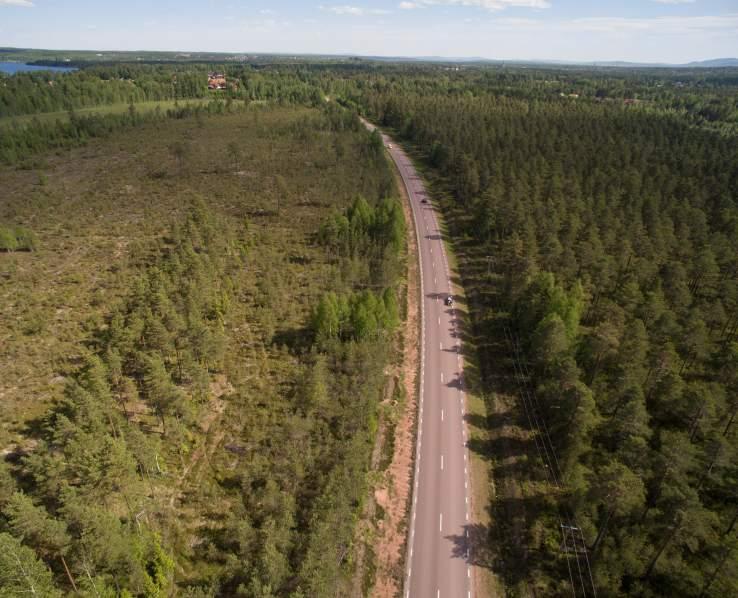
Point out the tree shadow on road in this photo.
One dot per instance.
(473, 545)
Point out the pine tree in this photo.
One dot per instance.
(22, 574)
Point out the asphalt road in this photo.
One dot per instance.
(437, 558)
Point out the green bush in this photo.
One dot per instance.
(17, 239)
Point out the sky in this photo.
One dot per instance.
(673, 31)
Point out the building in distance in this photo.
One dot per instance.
(216, 80)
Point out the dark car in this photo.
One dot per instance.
(423, 200)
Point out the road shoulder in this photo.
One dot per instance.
(393, 494)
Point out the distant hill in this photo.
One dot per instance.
(716, 62)
(82, 57)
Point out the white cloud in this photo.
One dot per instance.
(25, 3)
(659, 25)
(356, 11)
(486, 4)
(668, 25)
(675, 1)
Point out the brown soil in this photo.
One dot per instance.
(393, 496)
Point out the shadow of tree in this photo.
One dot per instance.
(497, 447)
(474, 545)
(456, 383)
(296, 339)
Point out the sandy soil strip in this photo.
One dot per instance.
(394, 495)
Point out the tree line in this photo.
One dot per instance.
(19, 144)
(121, 83)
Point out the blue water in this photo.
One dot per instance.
(19, 67)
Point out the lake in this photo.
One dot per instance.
(19, 67)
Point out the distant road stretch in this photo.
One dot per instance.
(437, 558)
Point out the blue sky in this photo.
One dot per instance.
(637, 30)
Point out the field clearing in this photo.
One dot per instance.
(97, 211)
(105, 212)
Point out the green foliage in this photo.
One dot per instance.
(364, 229)
(357, 316)
(375, 234)
(17, 239)
(545, 301)
(19, 142)
(33, 525)
(31, 93)
(162, 337)
(22, 573)
(159, 567)
(7, 484)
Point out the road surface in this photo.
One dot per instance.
(437, 557)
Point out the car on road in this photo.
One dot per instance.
(449, 300)
(423, 200)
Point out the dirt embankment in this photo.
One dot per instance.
(394, 493)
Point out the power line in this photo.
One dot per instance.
(547, 453)
(540, 448)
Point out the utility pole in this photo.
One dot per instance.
(489, 259)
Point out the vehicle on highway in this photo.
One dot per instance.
(449, 300)
(423, 200)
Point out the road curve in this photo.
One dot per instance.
(437, 563)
